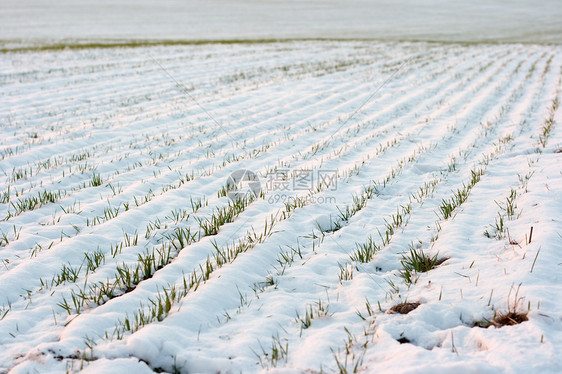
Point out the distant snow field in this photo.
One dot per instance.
(420, 174)
(32, 23)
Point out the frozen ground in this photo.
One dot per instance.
(121, 253)
(25, 23)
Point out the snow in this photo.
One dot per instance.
(411, 122)
(26, 23)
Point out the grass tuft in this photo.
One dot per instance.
(510, 318)
(416, 261)
(96, 180)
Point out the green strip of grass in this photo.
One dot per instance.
(75, 45)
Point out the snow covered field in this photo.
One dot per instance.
(405, 216)
(122, 251)
(39, 23)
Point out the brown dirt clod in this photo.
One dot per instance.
(403, 308)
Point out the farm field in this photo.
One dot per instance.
(40, 23)
(406, 219)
